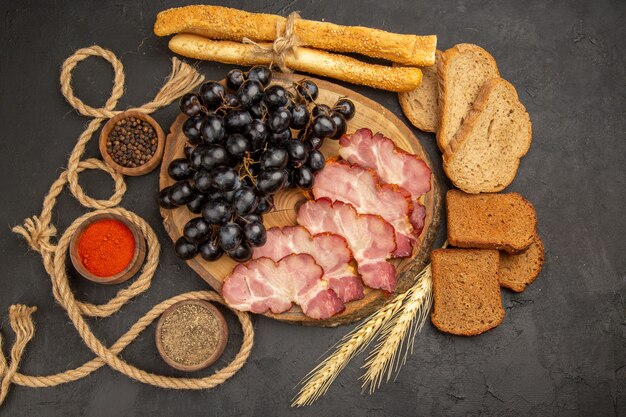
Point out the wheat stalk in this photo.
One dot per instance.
(399, 332)
(316, 383)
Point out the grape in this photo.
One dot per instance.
(187, 151)
(320, 109)
(245, 201)
(258, 110)
(190, 104)
(213, 130)
(291, 101)
(164, 199)
(249, 218)
(191, 129)
(225, 178)
(271, 180)
(303, 178)
(260, 73)
(196, 156)
(210, 250)
(180, 169)
(237, 120)
(299, 116)
(275, 96)
(229, 236)
(345, 107)
(340, 123)
(298, 152)
(184, 249)
(231, 100)
(265, 204)
(181, 193)
(316, 161)
(195, 205)
(197, 230)
(237, 145)
(203, 180)
(234, 79)
(212, 94)
(241, 253)
(213, 156)
(217, 211)
(323, 126)
(257, 132)
(315, 142)
(308, 90)
(274, 158)
(255, 234)
(280, 120)
(279, 139)
(250, 92)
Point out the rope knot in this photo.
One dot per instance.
(37, 233)
(285, 43)
(24, 329)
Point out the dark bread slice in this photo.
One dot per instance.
(518, 271)
(490, 221)
(466, 291)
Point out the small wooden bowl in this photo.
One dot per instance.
(152, 162)
(133, 266)
(219, 349)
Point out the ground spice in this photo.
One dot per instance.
(190, 334)
(132, 142)
(106, 247)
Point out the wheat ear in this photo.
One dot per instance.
(399, 333)
(316, 383)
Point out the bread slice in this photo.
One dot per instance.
(490, 221)
(484, 155)
(466, 291)
(461, 71)
(518, 271)
(420, 105)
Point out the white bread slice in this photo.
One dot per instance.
(484, 155)
(461, 71)
(420, 105)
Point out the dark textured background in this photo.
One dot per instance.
(561, 350)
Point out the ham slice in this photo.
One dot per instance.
(370, 237)
(262, 285)
(329, 250)
(392, 164)
(362, 188)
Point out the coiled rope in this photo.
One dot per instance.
(39, 232)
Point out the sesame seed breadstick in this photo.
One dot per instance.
(223, 23)
(304, 60)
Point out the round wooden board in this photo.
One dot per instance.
(368, 114)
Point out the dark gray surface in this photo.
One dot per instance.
(561, 350)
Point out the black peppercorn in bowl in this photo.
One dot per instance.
(132, 143)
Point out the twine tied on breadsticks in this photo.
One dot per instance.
(39, 231)
(284, 44)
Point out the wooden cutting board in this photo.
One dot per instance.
(368, 114)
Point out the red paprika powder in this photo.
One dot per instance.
(106, 247)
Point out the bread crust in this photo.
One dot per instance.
(223, 23)
(304, 59)
(443, 65)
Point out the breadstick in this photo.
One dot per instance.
(223, 23)
(303, 59)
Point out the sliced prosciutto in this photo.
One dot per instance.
(263, 285)
(329, 250)
(361, 187)
(370, 237)
(392, 164)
